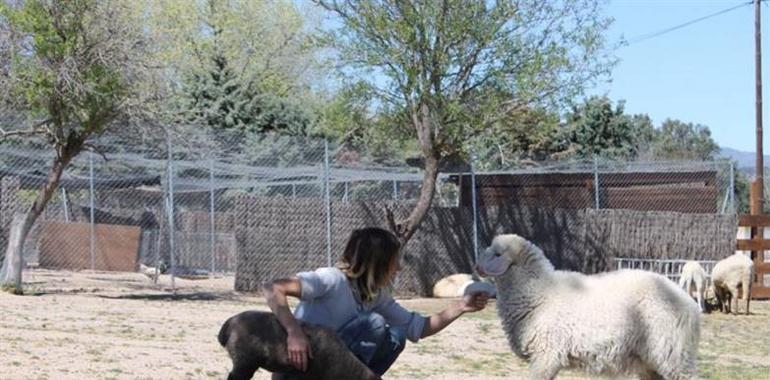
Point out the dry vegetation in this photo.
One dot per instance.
(122, 326)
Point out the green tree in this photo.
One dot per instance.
(595, 127)
(364, 136)
(245, 65)
(76, 69)
(443, 65)
(220, 99)
(523, 138)
(679, 140)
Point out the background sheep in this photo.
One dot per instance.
(478, 286)
(727, 276)
(450, 286)
(461, 284)
(255, 339)
(613, 323)
(693, 279)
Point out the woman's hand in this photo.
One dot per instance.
(474, 301)
(299, 349)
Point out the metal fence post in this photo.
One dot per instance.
(212, 220)
(92, 195)
(170, 210)
(395, 190)
(65, 205)
(475, 217)
(327, 202)
(596, 183)
(732, 188)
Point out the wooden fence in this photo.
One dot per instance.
(757, 245)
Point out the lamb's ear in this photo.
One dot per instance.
(526, 249)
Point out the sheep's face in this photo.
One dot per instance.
(504, 251)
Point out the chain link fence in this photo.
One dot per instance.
(223, 203)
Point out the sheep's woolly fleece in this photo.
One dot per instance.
(623, 322)
(728, 274)
(693, 279)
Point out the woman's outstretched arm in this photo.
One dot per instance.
(469, 303)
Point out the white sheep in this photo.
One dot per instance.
(728, 274)
(693, 279)
(461, 284)
(615, 323)
(450, 286)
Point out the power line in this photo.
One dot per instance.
(645, 37)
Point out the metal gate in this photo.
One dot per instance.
(671, 268)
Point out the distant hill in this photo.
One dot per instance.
(745, 160)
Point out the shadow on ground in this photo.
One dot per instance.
(194, 296)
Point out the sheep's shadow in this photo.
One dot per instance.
(194, 296)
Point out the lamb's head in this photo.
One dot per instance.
(505, 251)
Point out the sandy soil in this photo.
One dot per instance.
(124, 326)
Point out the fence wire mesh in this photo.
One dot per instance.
(193, 205)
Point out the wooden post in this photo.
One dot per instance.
(757, 232)
(755, 205)
(759, 166)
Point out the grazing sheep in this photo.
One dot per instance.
(693, 279)
(727, 276)
(255, 339)
(615, 323)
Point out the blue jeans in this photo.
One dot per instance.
(373, 341)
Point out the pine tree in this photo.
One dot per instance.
(220, 99)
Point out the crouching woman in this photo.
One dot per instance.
(352, 299)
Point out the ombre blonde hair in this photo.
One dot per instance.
(367, 260)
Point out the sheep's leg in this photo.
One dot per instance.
(733, 288)
(543, 369)
(747, 290)
(723, 296)
(700, 291)
(719, 297)
(243, 371)
(650, 375)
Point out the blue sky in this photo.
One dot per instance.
(702, 73)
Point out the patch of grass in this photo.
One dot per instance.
(12, 288)
(491, 366)
(430, 348)
(713, 371)
(485, 327)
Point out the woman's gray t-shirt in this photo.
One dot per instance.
(327, 300)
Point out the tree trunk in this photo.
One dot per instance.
(427, 191)
(422, 122)
(12, 257)
(22, 224)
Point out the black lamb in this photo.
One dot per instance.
(255, 339)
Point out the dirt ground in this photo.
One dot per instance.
(124, 326)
